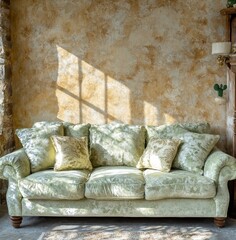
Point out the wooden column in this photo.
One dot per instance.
(231, 134)
(230, 14)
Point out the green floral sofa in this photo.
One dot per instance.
(117, 170)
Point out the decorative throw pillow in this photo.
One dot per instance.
(194, 151)
(164, 131)
(37, 145)
(70, 129)
(76, 130)
(71, 153)
(159, 154)
(171, 130)
(116, 144)
(47, 124)
(197, 127)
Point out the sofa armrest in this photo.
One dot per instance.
(15, 165)
(216, 162)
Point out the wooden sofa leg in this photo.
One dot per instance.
(219, 222)
(16, 221)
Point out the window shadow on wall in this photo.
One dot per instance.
(87, 93)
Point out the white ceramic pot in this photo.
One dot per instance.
(220, 100)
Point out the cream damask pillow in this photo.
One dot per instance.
(71, 153)
(159, 154)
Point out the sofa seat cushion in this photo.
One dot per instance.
(53, 185)
(177, 184)
(115, 182)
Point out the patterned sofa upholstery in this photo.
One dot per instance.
(112, 184)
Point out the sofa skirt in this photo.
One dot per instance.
(121, 208)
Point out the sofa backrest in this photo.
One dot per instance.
(118, 144)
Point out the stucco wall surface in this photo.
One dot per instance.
(133, 61)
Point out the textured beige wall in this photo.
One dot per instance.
(135, 61)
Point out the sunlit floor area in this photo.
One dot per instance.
(50, 228)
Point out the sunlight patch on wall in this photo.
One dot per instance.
(92, 94)
(86, 94)
(150, 113)
(67, 92)
(118, 101)
(169, 119)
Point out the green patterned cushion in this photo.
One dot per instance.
(38, 146)
(177, 184)
(46, 124)
(51, 185)
(70, 129)
(115, 182)
(171, 130)
(194, 151)
(159, 154)
(116, 144)
(76, 130)
(197, 127)
(164, 131)
(71, 153)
